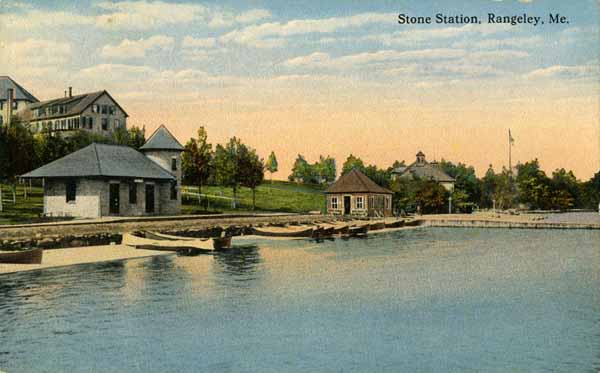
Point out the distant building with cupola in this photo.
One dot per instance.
(423, 170)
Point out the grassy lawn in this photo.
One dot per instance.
(25, 210)
(280, 196)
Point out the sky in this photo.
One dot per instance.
(329, 77)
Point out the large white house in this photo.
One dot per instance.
(95, 112)
(423, 170)
(110, 180)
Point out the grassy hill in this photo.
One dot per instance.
(279, 196)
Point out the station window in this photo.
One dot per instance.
(71, 189)
(334, 203)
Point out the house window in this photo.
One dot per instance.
(360, 202)
(173, 190)
(173, 164)
(133, 193)
(63, 124)
(71, 188)
(104, 109)
(90, 122)
(334, 203)
(117, 123)
(387, 203)
(105, 124)
(95, 108)
(76, 123)
(15, 105)
(112, 110)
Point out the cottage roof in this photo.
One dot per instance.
(101, 160)
(424, 171)
(162, 139)
(356, 182)
(19, 93)
(74, 105)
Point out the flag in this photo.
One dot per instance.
(511, 141)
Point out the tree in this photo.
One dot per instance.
(302, 171)
(230, 162)
(325, 169)
(534, 187)
(465, 180)
(252, 172)
(431, 197)
(351, 163)
(196, 161)
(591, 192)
(489, 184)
(566, 190)
(17, 155)
(272, 165)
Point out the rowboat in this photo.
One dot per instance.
(162, 236)
(220, 243)
(183, 246)
(342, 230)
(32, 256)
(395, 224)
(283, 232)
(376, 226)
(412, 223)
(359, 231)
(321, 233)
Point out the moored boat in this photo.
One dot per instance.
(32, 256)
(321, 233)
(395, 224)
(282, 232)
(220, 243)
(376, 226)
(188, 246)
(412, 223)
(342, 230)
(359, 231)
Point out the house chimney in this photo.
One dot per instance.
(9, 105)
(70, 92)
(65, 93)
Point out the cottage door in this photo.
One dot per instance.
(149, 198)
(347, 205)
(114, 199)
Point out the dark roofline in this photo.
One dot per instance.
(154, 133)
(81, 97)
(27, 93)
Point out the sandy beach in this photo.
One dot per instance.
(81, 255)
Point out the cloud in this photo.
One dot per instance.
(36, 52)
(519, 42)
(191, 42)
(35, 19)
(592, 69)
(137, 48)
(273, 34)
(147, 15)
(320, 59)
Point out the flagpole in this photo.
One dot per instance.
(509, 154)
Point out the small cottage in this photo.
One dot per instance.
(110, 180)
(423, 170)
(355, 194)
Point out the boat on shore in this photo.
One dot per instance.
(281, 232)
(360, 231)
(412, 223)
(395, 224)
(31, 256)
(188, 247)
(376, 226)
(321, 233)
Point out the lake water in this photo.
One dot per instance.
(414, 300)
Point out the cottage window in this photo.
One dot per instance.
(71, 188)
(334, 203)
(15, 105)
(387, 203)
(132, 193)
(112, 110)
(104, 109)
(90, 122)
(360, 203)
(105, 124)
(173, 190)
(117, 123)
(173, 164)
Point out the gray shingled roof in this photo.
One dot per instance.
(101, 160)
(162, 139)
(75, 105)
(356, 182)
(19, 93)
(424, 171)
